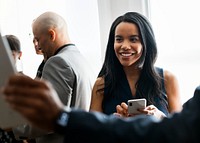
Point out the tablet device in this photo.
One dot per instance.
(135, 104)
(8, 117)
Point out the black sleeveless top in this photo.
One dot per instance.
(124, 94)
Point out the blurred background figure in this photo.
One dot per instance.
(37, 48)
(39, 52)
(15, 47)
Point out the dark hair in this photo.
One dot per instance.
(14, 43)
(149, 83)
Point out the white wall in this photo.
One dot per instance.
(176, 26)
(16, 17)
(85, 18)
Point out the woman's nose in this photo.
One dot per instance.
(126, 45)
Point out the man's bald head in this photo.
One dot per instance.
(50, 20)
(50, 31)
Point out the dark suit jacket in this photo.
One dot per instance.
(183, 127)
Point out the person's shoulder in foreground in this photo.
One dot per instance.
(183, 127)
(81, 126)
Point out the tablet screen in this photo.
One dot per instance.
(8, 117)
(6, 61)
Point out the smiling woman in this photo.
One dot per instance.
(127, 45)
(128, 71)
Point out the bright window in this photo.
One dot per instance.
(16, 17)
(177, 27)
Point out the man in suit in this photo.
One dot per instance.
(39, 98)
(65, 68)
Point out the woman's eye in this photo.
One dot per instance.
(134, 39)
(118, 39)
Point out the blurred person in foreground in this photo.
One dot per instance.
(76, 125)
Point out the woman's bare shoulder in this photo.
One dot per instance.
(99, 81)
(169, 76)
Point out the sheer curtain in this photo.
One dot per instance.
(176, 25)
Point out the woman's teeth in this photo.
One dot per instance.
(126, 55)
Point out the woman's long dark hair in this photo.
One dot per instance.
(149, 83)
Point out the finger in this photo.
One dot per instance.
(117, 114)
(43, 91)
(151, 112)
(119, 109)
(23, 102)
(20, 92)
(143, 111)
(30, 98)
(148, 111)
(150, 107)
(124, 106)
(20, 80)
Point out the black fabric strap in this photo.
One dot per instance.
(59, 49)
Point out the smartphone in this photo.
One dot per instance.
(135, 104)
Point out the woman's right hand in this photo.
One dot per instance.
(122, 110)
